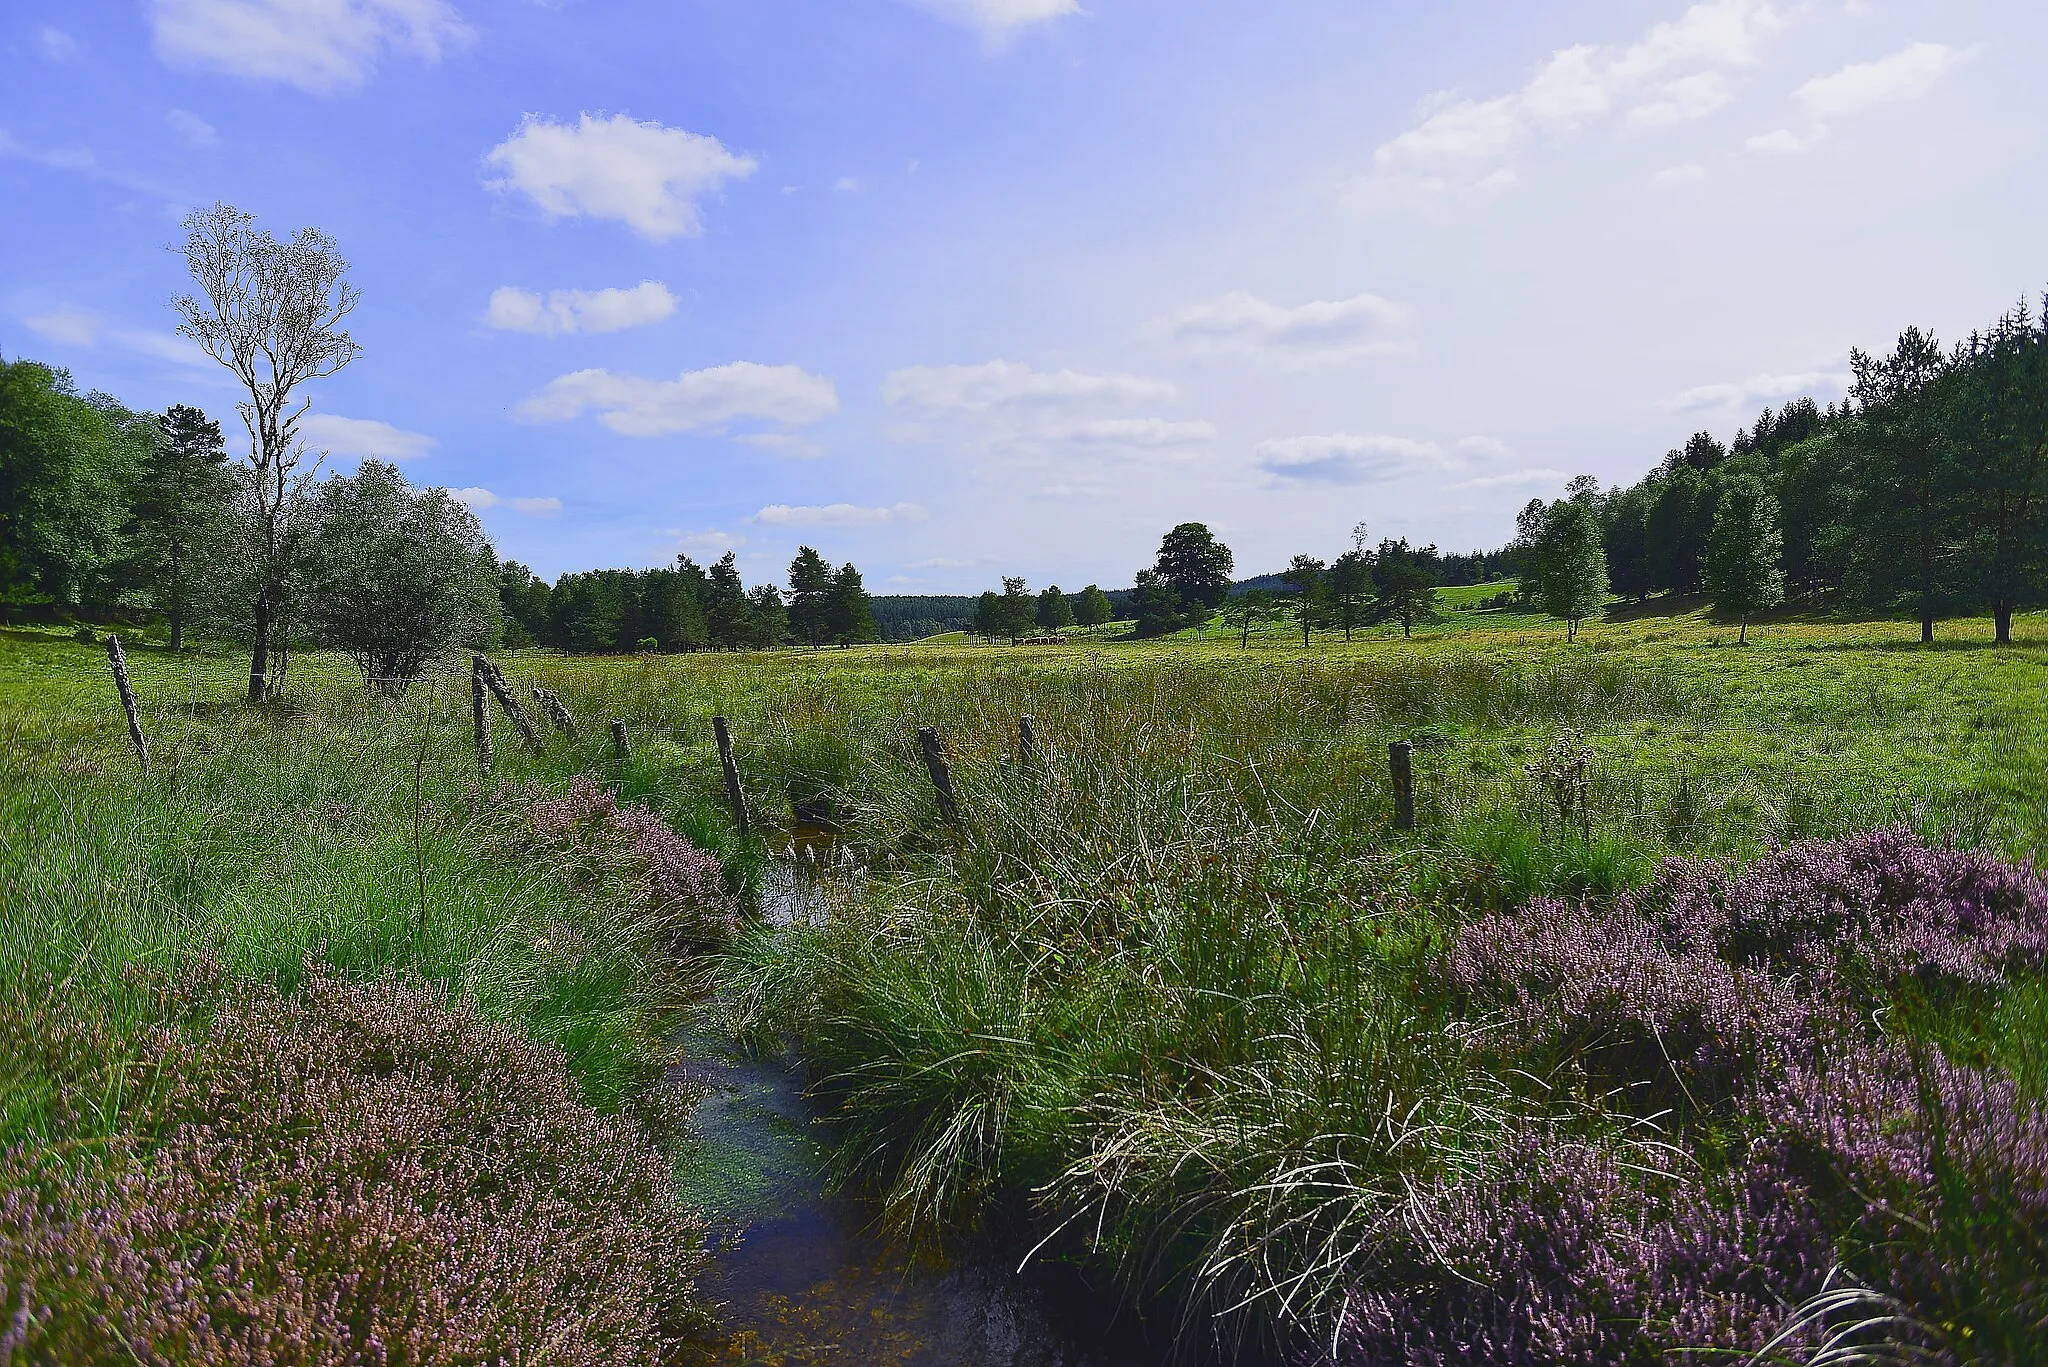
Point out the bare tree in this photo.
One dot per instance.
(271, 313)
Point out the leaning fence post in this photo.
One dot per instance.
(942, 777)
(480, 714)
(733, 792)
(1401, 758)
(503, 693)
(621, 751)
(1027, 742)
(556, 713)
(120, 664)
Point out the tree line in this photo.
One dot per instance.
(1924, 492)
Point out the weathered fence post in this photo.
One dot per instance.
(1027, 742)
(503, 693)
(480, 713)
(1401, 758)
(120, 664)
(733, 792)
(942, 777)
(620, 750)
(556, 713)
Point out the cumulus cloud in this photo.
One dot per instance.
(1516, 479)
(1672, 176)
(365, 438)
(77, 327)
(320, 46)
(1679, 71)
(1010, 411)
(1905, 75)
(695, 401)
(479, 499)
(1341, 458)
(645, 175)
(55, 44)
(996, 20)
(562, 312)
(837, 515)
(536, 507)
(1783, 142)
(474, 497)
(1322, 330)
(706, 545)
(1757, 389)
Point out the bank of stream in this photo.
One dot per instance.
(802, 1274)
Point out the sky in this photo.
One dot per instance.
(957, 289)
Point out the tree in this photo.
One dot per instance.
(400, 575)
(271, 313)
(1195, 564)
(1626, 538)
(1249, 611)
(767, 618)
(1351, 586)
(728, 616)
(1094, 608)
(1404, 585)
(849, 612)
(1305, 575)
(1904, 507)
(1571, 567)
(1054, 611)
(1742, 553)
(68, 466)
(1998, 419)
(1018, 609)
(991, 619)
(1156, 605)
(524, 605)
(181, 499)
(1676, 526)
(810, 591)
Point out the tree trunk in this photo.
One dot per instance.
(1304, 633)
(1742, 636)
(2001, 618)
(259, 653)
(177, 628)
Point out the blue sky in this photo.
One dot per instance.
(959, 288)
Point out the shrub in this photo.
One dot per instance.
(357, 1172)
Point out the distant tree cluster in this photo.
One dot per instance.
(1925, 491)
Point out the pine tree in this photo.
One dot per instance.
(1351, 586)
(1156, 605)
(1054, 611)
(1018, 608)
(810, 588)
(849, 612)
(989, 619)
(1311, 592)
(727, 614)
(1094, 608)
(180, 502)
(1404, 585)
(1742, 553)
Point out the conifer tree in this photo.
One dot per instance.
(810, 588)
(181, 500)
(849, 612)
(1054, 611)
(1094, 608)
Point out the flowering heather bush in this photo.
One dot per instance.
(355, 1173)
(1826, 1154)
(633, 851)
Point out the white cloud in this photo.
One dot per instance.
(480, 499)
(55, 44)
(1905, 75)
(365, 438)
(997, 384)
(1321, 330)
(569, 311)
(1491, 447)
(1783, 142)
(645, 175)
(847, 185)
(1678, 71)
(998, 19)
(1341, 458)
(1688, 174)
(1757, 389)
(321, 46)
(536, 507)
(474, 497)
(192, 130)
(694, 401)
(81, 328)
(1515, 479)
(837, 515)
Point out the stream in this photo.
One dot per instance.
(804, 1276)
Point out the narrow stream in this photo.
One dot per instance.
(802, 1276)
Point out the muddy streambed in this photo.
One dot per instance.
(804, 1276)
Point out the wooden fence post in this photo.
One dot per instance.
(1027, 742)
(942, 776)
(1401, 758)
(120, 664)
(620, 750)
(733, 792)
(556, 713)
(503, 693)
(480, 714)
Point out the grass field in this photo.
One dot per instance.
(1174, 1002)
